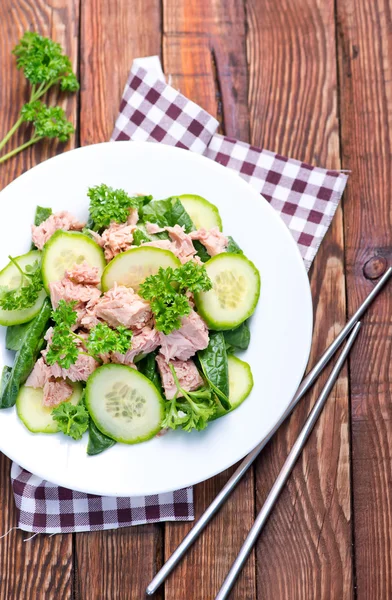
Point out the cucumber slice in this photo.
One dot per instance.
(234, 294)
(130, 268)
(34, 415)
(66, 248)
(240, 384)
(124, 404)
(11, 278)
(203, 213)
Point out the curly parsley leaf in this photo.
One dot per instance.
(48, 121)
(64, 346)
(27, 293)
(108, 204)
(102, 339)
(167, 290)
(71, 420)
(191, 411)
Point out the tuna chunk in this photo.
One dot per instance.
(186, 341)
(121, 306)
(39, 375)
(133, 216)
(61, 220)
(163, 244)
(186, 371)
(117, 238)
(84, 273)
(79, 371)
(56, 392)
(183, 247)
(69, 291)
(213, 239)
(153, 228)
(143, 343)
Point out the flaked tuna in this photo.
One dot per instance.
(56, 392)
(69, 291)
(213, 240)
(117, 238)
(153, 228)
(144, 342)
(61, 220)
(186, 371)
(121, 306)
(186, 341)
(133, 216)
(183, 247)
(162, 244)
(84, 273)
(39, 375)
(79, 371)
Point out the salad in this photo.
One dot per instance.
(127, 325)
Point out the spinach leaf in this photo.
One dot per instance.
(148, 367)
(201, 251)
(97, 441)
(233, 247)
(41, 214)
(15, 336)
(139, 236)
(26, 356)
(166, 213)
(5, 375)
(238, 338)
(213, 362)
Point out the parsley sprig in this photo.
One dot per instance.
(44, 65)
(66, 345)
(166, 292)
(27, 293)
(72, 420)
(191, 411)
(108, 204)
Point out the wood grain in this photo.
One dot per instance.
(114, 565)
(305, 550)
(40, 568)
(204, 52)
(365, 60)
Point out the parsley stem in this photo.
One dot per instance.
(19, 149)
(11, 132)
(24, 275)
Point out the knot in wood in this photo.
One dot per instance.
(375, 267)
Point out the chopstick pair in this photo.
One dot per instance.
(352, 327)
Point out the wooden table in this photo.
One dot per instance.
(311, 79)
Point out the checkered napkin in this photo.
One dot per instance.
(306, 198)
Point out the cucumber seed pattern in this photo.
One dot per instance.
(66, 259)
(125, 402)
(230, 289)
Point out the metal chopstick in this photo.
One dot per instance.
(285, 472)
(215, 505)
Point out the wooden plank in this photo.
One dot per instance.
(40, 568)
(305, 550)
(365, 60)
(116, 564)
(204, 52)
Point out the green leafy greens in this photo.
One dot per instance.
(107, 205)
(166, 292)
(72, 420)
(44, 65)
(167, 213)
(214, 364)
(191, 411)
(27, 293)
(66, 346)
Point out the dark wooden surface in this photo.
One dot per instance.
(310, 79)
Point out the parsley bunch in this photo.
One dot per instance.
(27, 293)
(66, 345)
(72, 420)
(44, 65)
(107, 205)
(191, 411)
(166, 292)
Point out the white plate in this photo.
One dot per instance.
(281, 327)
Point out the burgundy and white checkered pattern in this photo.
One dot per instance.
(306, 198)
